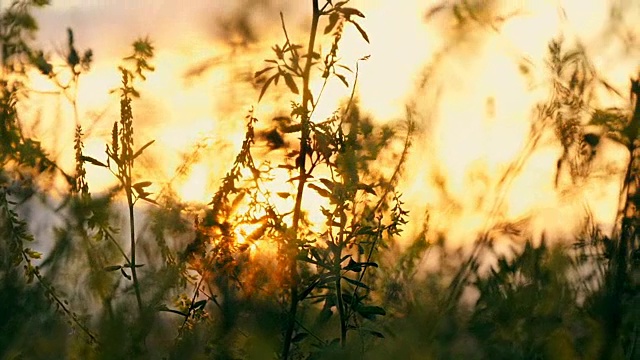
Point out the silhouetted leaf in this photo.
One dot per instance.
(150, 200)
(366, 230)
(125, 274)
(166, 309)
(350, 11)
(314, 55)
(112, 268)
(353, 266)
(41, 63)
(345, 67)
(286, 166)
(291, 83)
(355, 282)
(142, 194)
(362, 32)
(141, 184)
(308, 290)
(333, 20)
(330, 184)
(291, 129)
(367, 188)
(265, 86)
(322, 192)
(142, 149)
(297, 178)
(279, 53)
(357, 266)
(343, 79)
(93, 161)
(129, 265)
(316, 254)
(258, 73)
(349, 299)
(199, 304)
(294, 47)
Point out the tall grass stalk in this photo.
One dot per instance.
(302, 173)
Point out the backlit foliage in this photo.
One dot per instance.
(254, 273)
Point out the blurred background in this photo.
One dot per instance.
(509, 102)
(472, 83)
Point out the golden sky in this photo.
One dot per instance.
(474, 114)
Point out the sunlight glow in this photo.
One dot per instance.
(244, 231)
(474, 113)
(194, 189)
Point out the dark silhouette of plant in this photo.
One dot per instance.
(619, 292)
(22, 161)
(252, 276)
(328, 267)
(332, 144)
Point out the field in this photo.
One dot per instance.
(312, 219)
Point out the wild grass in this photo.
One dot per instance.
(250, 278)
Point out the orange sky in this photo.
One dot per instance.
(473, 115)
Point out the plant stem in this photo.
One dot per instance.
(132, 230)
(629, 230)
(134, 275)
(337, 269)
(337, 256)
(341, 309)
(293, 244)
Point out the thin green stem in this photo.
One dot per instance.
(17, 231)
(60, 303)
(293, 243)
(337, 269)
(618, 270)
(337, 257)
(134, 274)
(341, 310)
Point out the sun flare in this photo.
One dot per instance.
(319, 178)
(487, 87)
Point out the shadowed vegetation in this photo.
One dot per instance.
(130, 274)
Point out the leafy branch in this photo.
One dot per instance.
(18, 235)
(123, 155)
